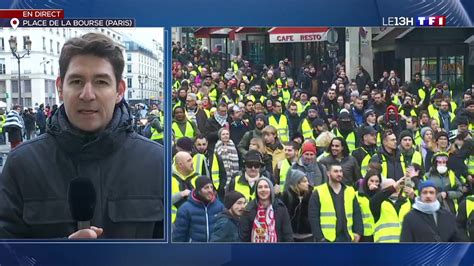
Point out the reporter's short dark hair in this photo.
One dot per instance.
(92, 44)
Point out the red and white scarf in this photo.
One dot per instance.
(264, 229)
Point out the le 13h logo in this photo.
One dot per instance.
(431, 21)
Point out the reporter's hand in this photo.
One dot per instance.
(92, 233)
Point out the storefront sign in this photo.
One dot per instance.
(298, 37)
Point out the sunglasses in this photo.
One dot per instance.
(252, 165)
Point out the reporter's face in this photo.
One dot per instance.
(90, 92)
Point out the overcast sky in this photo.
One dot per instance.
(144, 36)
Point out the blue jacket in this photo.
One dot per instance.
(227, 229)
(195, 221)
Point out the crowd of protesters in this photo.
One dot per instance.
(305, 153)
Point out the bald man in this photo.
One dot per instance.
(389, 207)
(183, 179)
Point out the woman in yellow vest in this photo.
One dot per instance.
(370, 185)
(448, 186)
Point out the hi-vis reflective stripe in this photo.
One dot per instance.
(388, 238)
(366, 215)
(330, 226)
(327, 214)
(387, 225)
(368, 226)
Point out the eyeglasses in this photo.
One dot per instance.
(252, 165)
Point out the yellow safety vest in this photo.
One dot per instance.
(199, 160)
(176, 85)
(300, 107)
(307, 130)
(389, 226)
(422, 93)
(155, 135)
(385, 165)
(189, 131)
(3, 118)
(365, 163)
(367, 217)
(418, 138)
(285, 166)
(253, 99)
(416, 158)
(469, 207)
(328, 217)
(470, 164)
(281, 127)
(402, 112)
(350, 139)
(213, 95)
(286, 95)
(176, 182)
(245, 189)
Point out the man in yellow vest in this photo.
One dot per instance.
(182, 181)
(157, 126)
(409, 154)
(389, 157)
(428, 222)
(3, 118)
(291, 157)
(345, 129)
(244, 182)
(465, 217)
(389, 209)
(367, 149)
(334, 212)
(279, 121)
(207, 162)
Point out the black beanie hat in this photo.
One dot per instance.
(231, 197)
(405, 133)
(201, 182)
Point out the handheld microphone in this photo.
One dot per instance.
(82, 200)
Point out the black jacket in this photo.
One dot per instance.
(125, 169)
(282, 223)
(421, 227)
(394, 165)
(298, 211)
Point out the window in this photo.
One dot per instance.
(64, 32)
(57, 47)
(129, 68)
(451, 70)
(160, 75)
(129, 57)
(2, 66)
(2, 44)
(44, 44)
(25, 39)
(26, 86)
(49, 92)
(129, 82)
(51, 46)
(3, 86)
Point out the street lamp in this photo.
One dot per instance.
(142, 80)
(14, 48)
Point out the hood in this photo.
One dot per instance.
(270, 184)
(87, 145)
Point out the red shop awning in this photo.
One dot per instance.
(297, 34)
(214, 33)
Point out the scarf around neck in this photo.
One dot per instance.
(264, 225)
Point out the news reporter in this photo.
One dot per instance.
(89, 136)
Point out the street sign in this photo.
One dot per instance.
(332, 36)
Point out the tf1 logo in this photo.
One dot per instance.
(433, 21)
